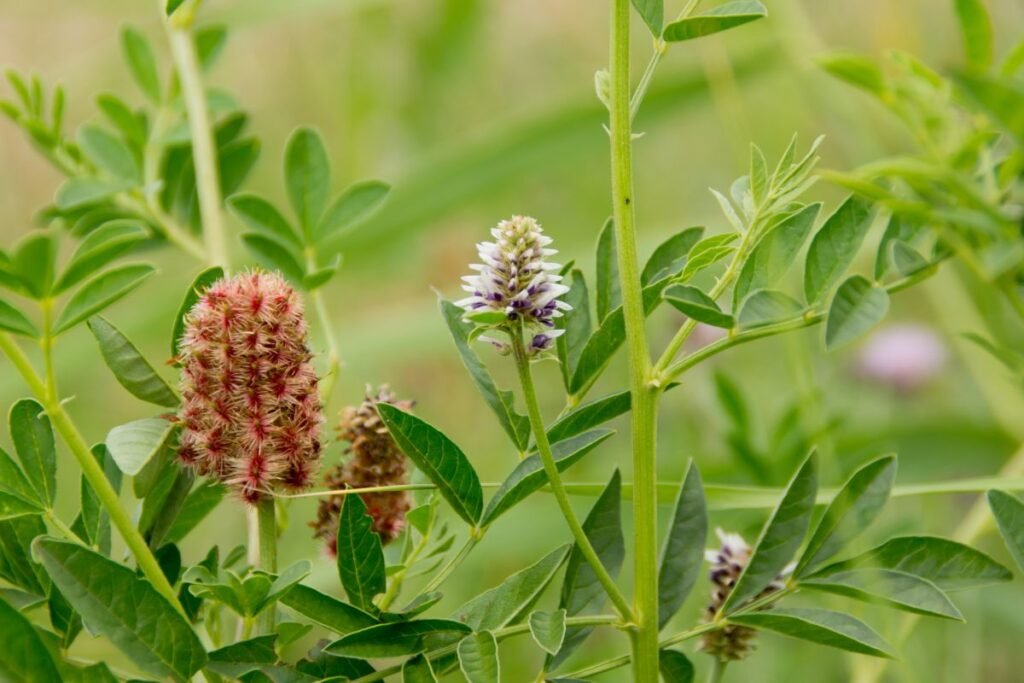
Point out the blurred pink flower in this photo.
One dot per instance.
(903, 357)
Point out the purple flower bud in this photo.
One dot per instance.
(903, 357)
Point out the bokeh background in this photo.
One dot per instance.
(478, 109)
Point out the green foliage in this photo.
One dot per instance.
(478, 658)
(856, 307)
(683, 552)
(439, 458)
(398, 639)
(33, 441)
(125, 608)
(548, 629)
(820, 626)
(360, 558)
(129, 366)
(722, 18)
(1009, 513)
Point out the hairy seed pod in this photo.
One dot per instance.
(250, 411)
(730, 643)
(374, 459)
(515, 279)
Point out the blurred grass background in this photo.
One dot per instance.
(476, 110)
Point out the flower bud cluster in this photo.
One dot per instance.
(515, 280)
(730, 642)
(250, 411)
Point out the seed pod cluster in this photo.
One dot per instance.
(374, 459)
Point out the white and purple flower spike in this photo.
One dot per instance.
(513, 278)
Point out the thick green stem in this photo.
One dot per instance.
(555, 478)
(717, 670)
(186, 64)
(644, 392)
(93, 472)
(267, 523)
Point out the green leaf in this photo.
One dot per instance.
(608, 295)
(589, 415)
(275, 255)
(683, 553)
(707, 253)
(855, 70)
(695, 304)
(774, 253)
(653, 14)
(899, 229)
(108, 153)
(1009, 513)
(33, 441)
(138, 54)
(976, 29)
(722, 18)
(334, 615)
(355, 204)
(94, 520)
(889, 587)
(201, 501)
(100, 247)
(243, 657)
(307, 173)
(123, 118)
(780, 538)
(439, 458)
(907, 261)
(75, 193)
(360, 557)
(1003, 100)
(15, 506)
(853, 509)
(13, 320)
(478, 658)
(23, 657)
(819, 626)
(172, 5)
(512, 598)
(130, 368)
(607, 339)
(576, 324)
(834, 247)
(501, 402)
(857, 306)
(260, 215)
(529, 475)
(134, 444)
(16, 490)
(548, 629)
(100, 292)
(670, 256)
(418, 670)
(210, 42)
(399, 638)
(949, 565)
(33, 263)
(767, 307)
(125, 608)
(675, 666)
(582, 593)
(315, 279)
(198, 286)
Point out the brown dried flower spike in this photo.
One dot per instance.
(250, 408)
(375, 460)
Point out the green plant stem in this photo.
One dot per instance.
(717, 670)
(46, 343)
(555, 478)
(330, 380)
(395, 585)
(93, 472)
(186, 64)
(501, 633)
(68, 532)
(474, 537)
(267, 524)
(643, 392)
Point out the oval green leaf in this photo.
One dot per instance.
(356, 203)
(439, 458)
(478, 658)
(307, 173)
(683, 553)
(695, 304)
(399, 638)
(360, 558)
(819, 626)
(134, 444)
(548, 629)
(125, 608)
(100, 292)
(33, 442)
(722, 18)
(13, 320)
(857, 306)
(129, 366)
(1009, 513)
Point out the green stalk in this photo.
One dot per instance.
(186, 64)
(555, 478)
(93, 472)
(329, 381)
(643, 391)
(267, 523)
(717, 670)
(474, 537)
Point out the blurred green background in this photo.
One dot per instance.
(476, 110)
